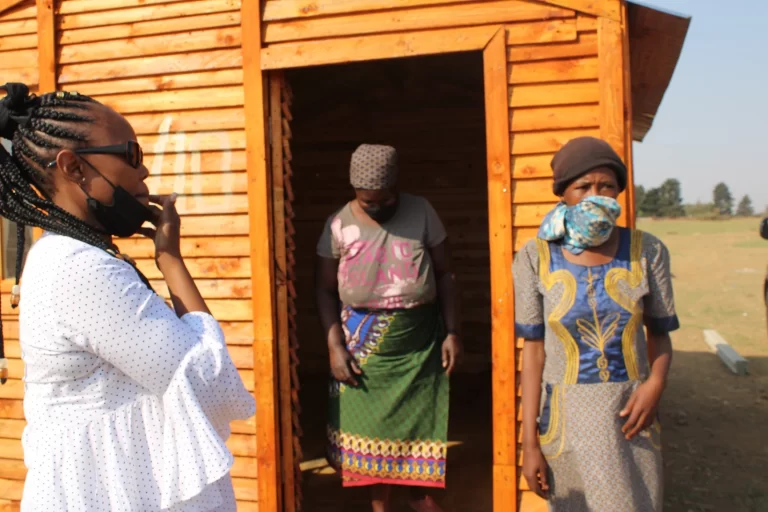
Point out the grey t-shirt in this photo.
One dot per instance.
(389, 266)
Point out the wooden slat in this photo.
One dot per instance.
(530, 215)
(242, 445)
(537, 32)
(12, 469)
(528, 143)
(18, 42)
(473, 13)
(564, 70)
(11, 429)
(586, 46)
(540, 95)
(198, 141)
(18, 27)
(188, 121)
(27, 76)
(13, 389)
(533, 191)
(532, 166)
(201, 268)
(212, 183)
(215, 289)
(11, 489)
(246, 489)
(585, 23)
(7, 5)
(168, 162)
(198, 79)
(612, 124)
(603, 8)
(175, 100)
(158, 65)
(168, 11)
(17, 59)
(149, 28)
(389, 46)
(11, 449)
(183, 42)
(215, 246)
(244, 467)
(551, 118)
(83, 6)
(275, 10)
(11, 408)
(269, 483)
(501, 253)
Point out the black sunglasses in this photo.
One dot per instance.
(130, 152)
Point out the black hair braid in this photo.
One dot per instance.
(38, 128)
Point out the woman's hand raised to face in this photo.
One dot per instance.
(167, 231)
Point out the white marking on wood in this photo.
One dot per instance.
(729, 356)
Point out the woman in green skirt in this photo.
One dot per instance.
(388, 304)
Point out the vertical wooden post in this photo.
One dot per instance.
(610, 52)
(628, 122)
(502, 296)
(46, 60)
(262, 264)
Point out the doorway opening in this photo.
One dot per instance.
(432, 110)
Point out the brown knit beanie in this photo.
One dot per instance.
(581, 155)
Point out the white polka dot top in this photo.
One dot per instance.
(127, 405)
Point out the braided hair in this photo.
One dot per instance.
(39, 127)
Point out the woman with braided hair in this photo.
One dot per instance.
(128, 402)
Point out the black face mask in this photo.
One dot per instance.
(124, 216)
(382, 214)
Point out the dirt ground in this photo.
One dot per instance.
(714, 423)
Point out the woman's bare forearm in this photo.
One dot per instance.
(448, 292)
(533, 369)
(185, 296)
(662, 357)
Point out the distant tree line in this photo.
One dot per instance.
(667, 201)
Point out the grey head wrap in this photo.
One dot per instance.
(373, 167)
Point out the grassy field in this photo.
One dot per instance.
(716, 439)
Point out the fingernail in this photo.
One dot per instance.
(173, 197)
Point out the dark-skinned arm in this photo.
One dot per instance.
(534, 464)
(328, 303)
(448, 297)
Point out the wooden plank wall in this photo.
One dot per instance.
(174, 69)
(18, 63)
(560, 86)
(572, 86)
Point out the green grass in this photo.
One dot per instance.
(714, 422)
(719, 269)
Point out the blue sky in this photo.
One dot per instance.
(712, 125)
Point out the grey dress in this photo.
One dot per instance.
(591, 320)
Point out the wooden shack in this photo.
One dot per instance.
(250, 109)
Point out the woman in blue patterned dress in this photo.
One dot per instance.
(586, 292)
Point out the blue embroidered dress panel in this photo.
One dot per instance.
(596, 321)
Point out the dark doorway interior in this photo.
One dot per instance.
(431, 109)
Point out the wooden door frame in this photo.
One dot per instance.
(491, 40)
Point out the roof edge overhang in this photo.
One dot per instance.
(656, 39)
